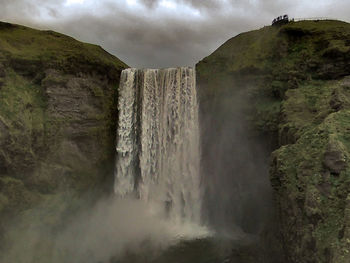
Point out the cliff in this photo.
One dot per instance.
(57, 122)
(286, 88)
(277, 93)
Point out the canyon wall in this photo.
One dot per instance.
(279, 96)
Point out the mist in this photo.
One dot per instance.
(235, 164)
(108, 231)
(236, 203)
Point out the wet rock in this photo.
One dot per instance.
(340, 98)
(27, 68)
(3, 132)
(2, 75)
(5, 25)
(2, 70)
(333, 53)
(312, 204)
(336, 102)
(4, 137)
(306, 173)
(346, 228)
(345, 83)
(57, 116)
(334, 158)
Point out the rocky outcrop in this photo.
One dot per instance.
(57, 119)
(289, 89)
(310, 177)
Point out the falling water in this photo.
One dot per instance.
(158, 140)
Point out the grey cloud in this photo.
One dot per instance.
(194, 3)
(150, 3)
(151, 36)
(203, 4)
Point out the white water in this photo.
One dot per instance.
(158, 142)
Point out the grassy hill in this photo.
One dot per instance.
(57, 127)
(286, 87)
(22, 45)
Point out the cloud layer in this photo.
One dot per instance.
(161, 33)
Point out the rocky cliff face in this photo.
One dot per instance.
(279, 92)
(286, 88)
(57, 119)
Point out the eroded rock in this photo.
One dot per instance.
(335, 158)
(57, 117)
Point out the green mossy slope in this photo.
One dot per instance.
(311, 176)
(57, 123)
(28, 50)
(294, 93)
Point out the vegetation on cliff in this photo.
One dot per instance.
(294, 90)
(57, 123)
(287, 85)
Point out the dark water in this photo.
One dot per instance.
(206, 250)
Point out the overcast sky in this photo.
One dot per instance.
(161, 33)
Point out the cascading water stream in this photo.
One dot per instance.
(158, 141)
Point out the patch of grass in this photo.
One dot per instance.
(25, 43)
(22, 110)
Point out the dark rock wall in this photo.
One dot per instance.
(58, 119)
(283, 89)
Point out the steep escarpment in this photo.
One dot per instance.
(57, 120)
(283, 93)
(310, 173)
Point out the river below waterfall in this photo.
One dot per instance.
(205, 250)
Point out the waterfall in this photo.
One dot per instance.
(158, 140)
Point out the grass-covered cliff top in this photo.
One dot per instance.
(49, 48)
(273, 59)
(255, 50)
